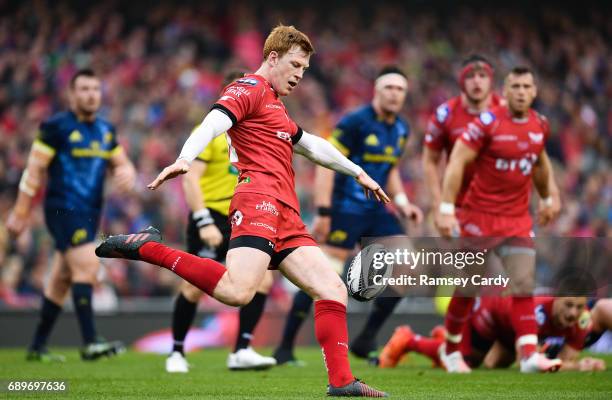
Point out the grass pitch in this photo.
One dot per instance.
(142, 376)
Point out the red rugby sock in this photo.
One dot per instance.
(524, 324)
(457, 315)
(426, 346)
(203, 273)
(332, 335)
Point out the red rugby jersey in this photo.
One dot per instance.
(261, 138)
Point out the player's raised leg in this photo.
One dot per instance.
(308, 268)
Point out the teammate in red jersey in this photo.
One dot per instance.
(506, 146)
(264, 212)
(489, 335)
(451, 119)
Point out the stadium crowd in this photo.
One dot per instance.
(162, 66)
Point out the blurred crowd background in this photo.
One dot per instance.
(162, 64)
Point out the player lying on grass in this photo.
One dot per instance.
(565, 327)
(264, 211)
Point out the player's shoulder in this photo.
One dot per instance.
(58, 119)
(444, 111)
(249, 82)
(539, 118)
(358, 116)
(488, 117)
(105, 124)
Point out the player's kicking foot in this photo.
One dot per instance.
(43, 355)
(362, 347)
(249, 359)
(177, 363)
(453, 362)
(95, 350)
(538, 362)
(355, 389)
(396, 347)
(127, 246)
(286, 357)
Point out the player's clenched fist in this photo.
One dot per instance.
(371, 187)
(447, 225)
(179, 167)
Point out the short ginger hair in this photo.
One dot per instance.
(283, 38)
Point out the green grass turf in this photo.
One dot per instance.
(142, 376)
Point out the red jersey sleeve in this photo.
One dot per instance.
(435, 138)
(241, 98)
(477, 132)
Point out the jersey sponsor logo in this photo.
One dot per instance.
(283, 135)
(540, 315)
(584, 321)
(108, 137)
(79, 236)
(472, 229)
(237, 91)
(505, 138)
(248, 81)
(487, 117)
(237, 218)
(268, 207)
(371, 140)
(338, 236)
(75, 136)
(442, 113)
(524, 164)
(274, 106)
(473, 132)
(263, 225)
(536, 137)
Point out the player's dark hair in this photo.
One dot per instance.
(88, 72)
(231, 77)
(390, 69)
(574, 282)
(521, 70)
(472, 58)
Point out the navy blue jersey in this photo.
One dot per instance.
(374, 145)
(81, 152)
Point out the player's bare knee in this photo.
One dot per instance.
(334, 289)
(266, 283)
(241, 298)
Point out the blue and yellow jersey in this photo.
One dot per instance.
(220, 178)
(374, 145)
(81, 151)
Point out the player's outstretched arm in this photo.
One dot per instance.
(460, 157)
(321, 152)
(215, 123)
(31, 180)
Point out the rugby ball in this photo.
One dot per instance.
(366, 268)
